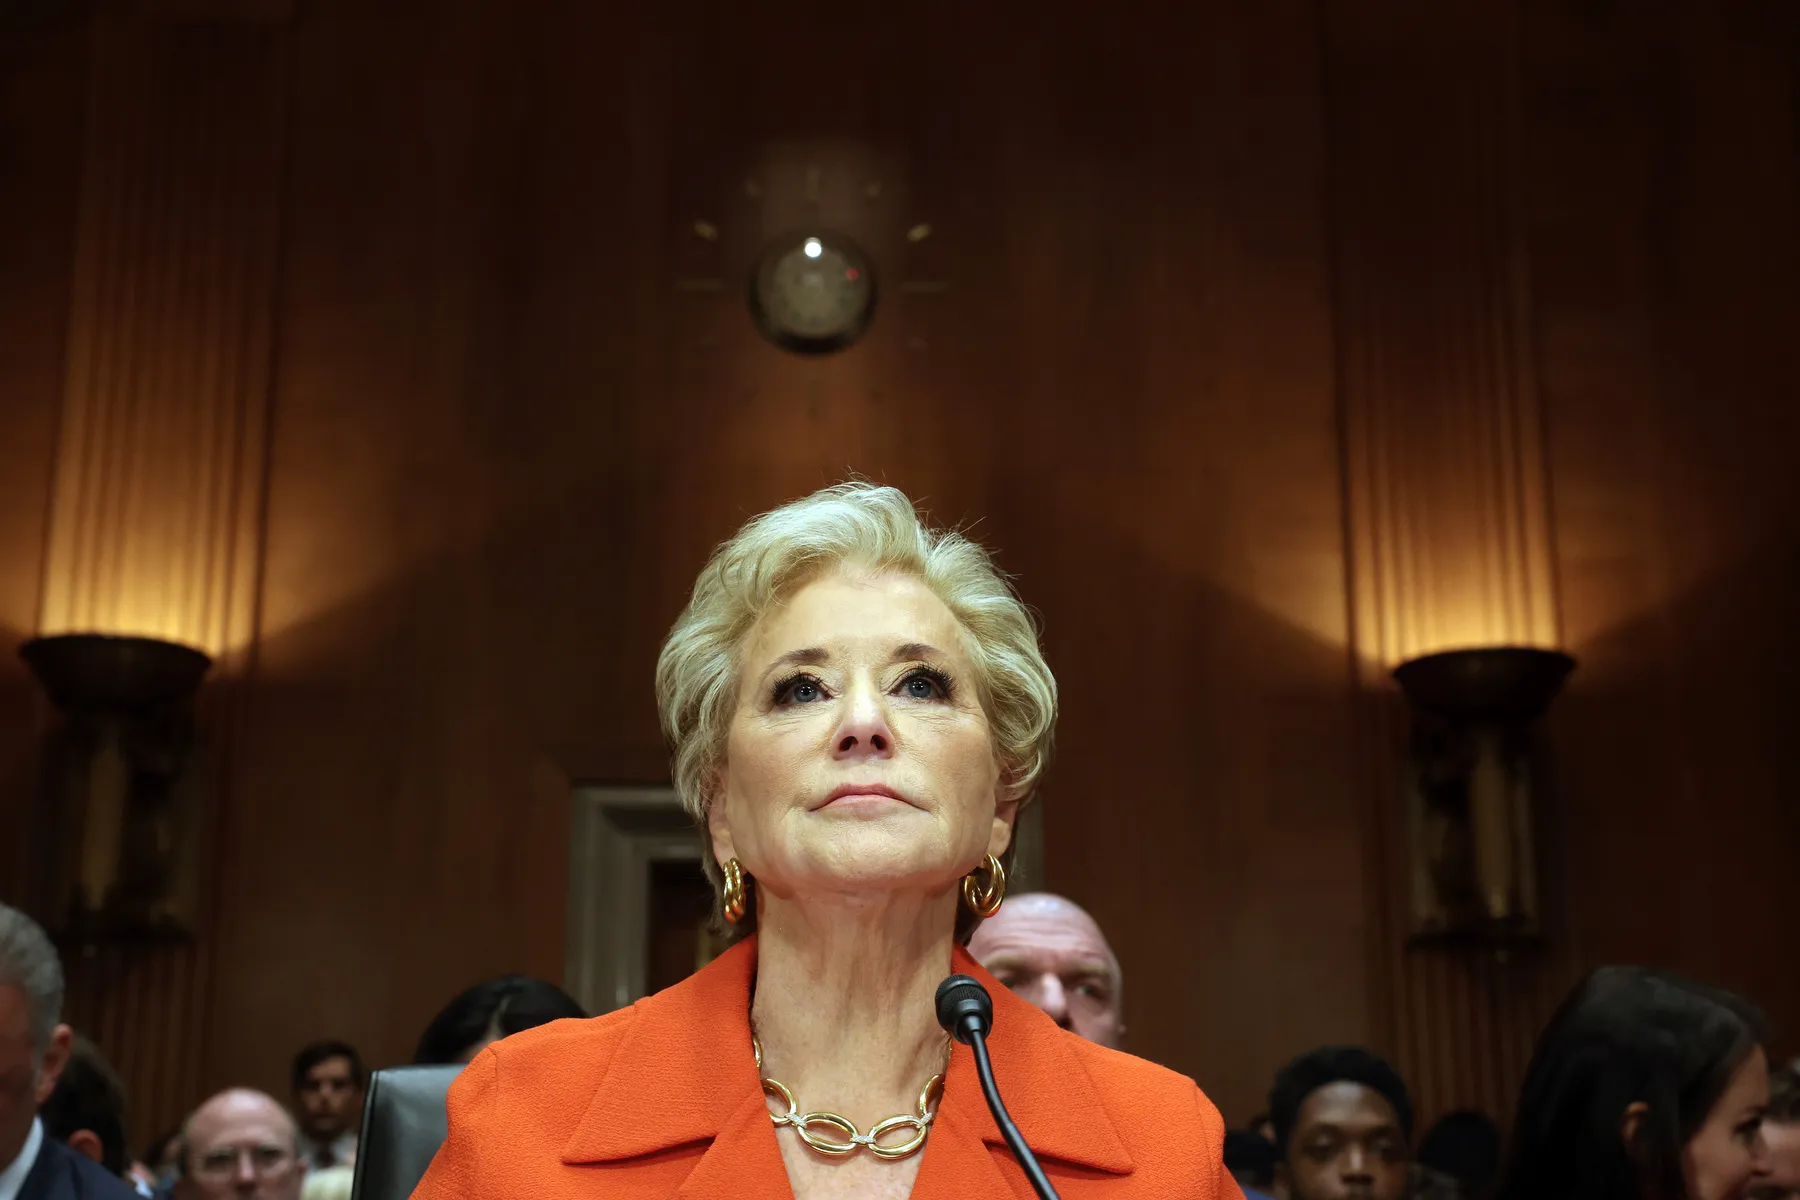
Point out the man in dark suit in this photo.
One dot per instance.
(34, 1048)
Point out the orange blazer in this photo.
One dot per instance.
(661, 1100)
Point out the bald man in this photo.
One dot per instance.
(240, 1144)
(1051, 953)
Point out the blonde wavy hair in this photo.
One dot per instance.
(853, 526)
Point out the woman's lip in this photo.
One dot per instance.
(863, 791)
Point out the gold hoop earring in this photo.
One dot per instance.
(737, 899)
(985, 899)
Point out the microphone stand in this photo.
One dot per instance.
(967, 1012)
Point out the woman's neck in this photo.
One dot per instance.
(845, 1000)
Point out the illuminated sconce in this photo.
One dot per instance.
(125, 802)
(1469, 789)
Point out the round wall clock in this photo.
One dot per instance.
(813, 293)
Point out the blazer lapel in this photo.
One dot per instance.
(744, 1161)
(958, 1163)
(681, 1072)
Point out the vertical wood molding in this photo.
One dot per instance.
(1447, 496)
(155, 522)
(156, 501)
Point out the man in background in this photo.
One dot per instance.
(1781, 1138)
(34, 1048)
(240, 1145)
(86, 1111)
(328, 1098)
(1343, 1127)
(1050, 952)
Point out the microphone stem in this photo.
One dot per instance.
(1028, 1162)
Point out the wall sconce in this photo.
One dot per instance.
(125, 804)
(1469, 789)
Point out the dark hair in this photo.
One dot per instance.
(1249, 1158)
(1328, 1065)
(493, 1009)
(1625, 1036)
(1465, 1146)
(1784, 1094)
(320, 1052)
(89, 1096)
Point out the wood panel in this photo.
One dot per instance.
(1447, 492)
(1665, 178)
(42, 91)
(158, 482)
(155, 501)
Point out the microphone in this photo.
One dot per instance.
(966, 1012)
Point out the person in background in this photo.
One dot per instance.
(1781, 1136)
(1260, 1124)
(1052, 954)
(1343, 1127)
(329, 1082)
(86, 1112)
(333, 1183)
(34, 1049)
(1463, 1147)
(1643, 1087)
(240, 1144)
(163, 1160)
(1251, 1160)
(488, 1012)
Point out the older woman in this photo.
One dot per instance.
(859, 708)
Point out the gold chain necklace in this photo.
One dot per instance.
(802, 1123)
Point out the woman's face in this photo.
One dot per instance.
(1726, 1153)
(859, 761)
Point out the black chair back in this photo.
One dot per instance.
(404, 1123)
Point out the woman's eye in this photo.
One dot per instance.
(925, 685)
(802, 689)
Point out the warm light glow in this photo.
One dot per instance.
(814, 248)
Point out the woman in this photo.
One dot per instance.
(858, 707)
(1644, 1087)
(488, 1012)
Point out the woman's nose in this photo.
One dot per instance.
(864, 731)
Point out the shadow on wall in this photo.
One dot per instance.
(1675, 763)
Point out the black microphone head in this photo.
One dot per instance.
(962, 1004)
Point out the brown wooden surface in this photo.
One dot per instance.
(1225, 310)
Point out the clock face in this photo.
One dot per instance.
(813, 293)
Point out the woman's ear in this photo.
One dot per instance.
(1006, 812)
(1635, 1112)
(718, 825)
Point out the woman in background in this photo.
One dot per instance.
(488, 1012)
(1644, 1087)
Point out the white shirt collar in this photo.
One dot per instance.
(13, 1178)
(342, 1147)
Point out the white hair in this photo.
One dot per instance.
(852, 526)
(28, 961)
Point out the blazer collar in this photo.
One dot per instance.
(684, 1073)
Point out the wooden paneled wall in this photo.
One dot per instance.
(1447, 487)
(1267, 344)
